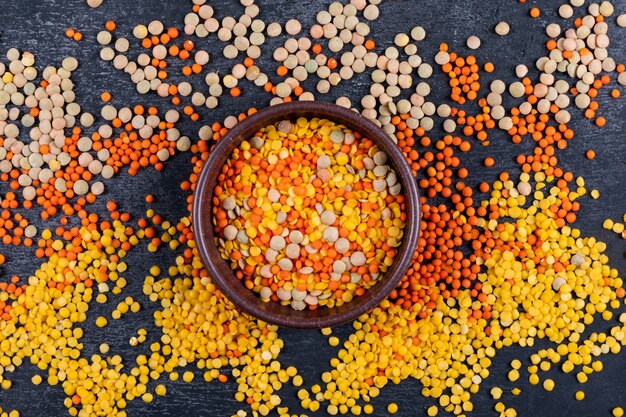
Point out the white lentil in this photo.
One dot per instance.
(566, 11)
(371, 12)
(502, 28)
(521, 70)
(425, 70)
(277, 243)
(274, 29)
(524, 188)
(30, 230)
(401, 40)
(293, 27)
(328, 217)
(342, 245)
(553, 30)
(81, 187)
(557, 283)
(517, 89)
(418, 33)
(292, 251)
(473, 42)
(155, 27)
(139, 31)
(97, 188)
(442, 58)
(230, 51)
(283, 90)
(606, 8)
(449, 125)
(285, 264)
(330, 234)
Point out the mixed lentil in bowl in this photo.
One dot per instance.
(308, 213)
(258, 260)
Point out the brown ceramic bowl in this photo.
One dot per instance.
(219, 270)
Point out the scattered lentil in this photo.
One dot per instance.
(379, 328)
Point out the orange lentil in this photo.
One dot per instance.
(281, 70)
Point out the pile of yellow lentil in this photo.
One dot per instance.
(451, 354)
(492, 270)
(308, 213)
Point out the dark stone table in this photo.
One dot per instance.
(39, 25)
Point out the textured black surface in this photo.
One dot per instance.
(38, 26)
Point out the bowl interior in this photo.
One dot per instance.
(219, 270)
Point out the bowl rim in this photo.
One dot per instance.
(202, 224)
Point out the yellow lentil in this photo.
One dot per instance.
(608, 224)
(513, 375)
(160, 390)
(548, 385)
(496, 393)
